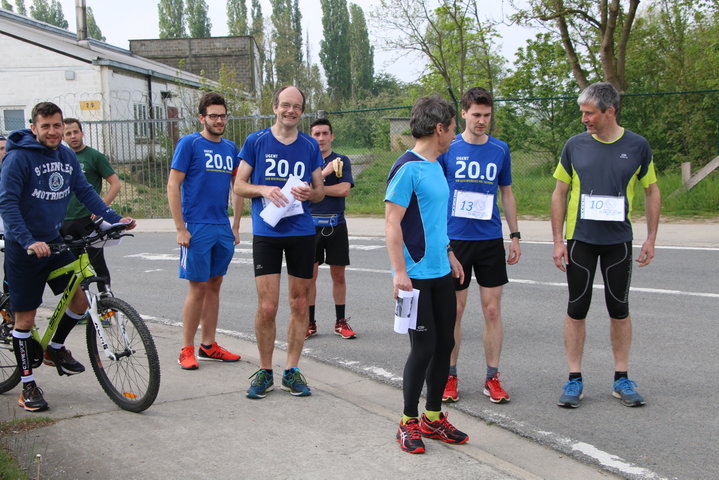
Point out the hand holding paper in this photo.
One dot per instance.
(405, 312)
(272, 213)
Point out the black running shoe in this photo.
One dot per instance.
(409, 436)
(61, 358)
(31, 398)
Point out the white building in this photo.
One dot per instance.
(92, 81)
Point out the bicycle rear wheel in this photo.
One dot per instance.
(9, 370)
(133, 379)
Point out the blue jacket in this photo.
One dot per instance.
(35, 186)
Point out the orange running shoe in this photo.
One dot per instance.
(187, 359)
(217, 353)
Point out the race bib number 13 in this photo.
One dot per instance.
(603, 208)
(478, 206)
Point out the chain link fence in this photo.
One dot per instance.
(680, 127)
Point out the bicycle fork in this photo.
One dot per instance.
(100, 330)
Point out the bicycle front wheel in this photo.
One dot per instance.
(132, 380)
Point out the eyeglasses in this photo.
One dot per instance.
(289, 106)
(215, 116)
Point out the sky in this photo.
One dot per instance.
(122, 20)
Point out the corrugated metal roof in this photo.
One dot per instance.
(91, 51)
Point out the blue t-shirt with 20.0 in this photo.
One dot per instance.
(272, 164)
(480, 168)
(208, 167)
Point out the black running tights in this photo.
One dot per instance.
(431, 344)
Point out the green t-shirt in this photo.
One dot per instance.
(96, 167)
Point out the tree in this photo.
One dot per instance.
(6, 5)
(198, 23)
(48, 12)
(257, 31)
(21, 10)
(172, 18)
(673, 49)
(93, 31)
(286, 42)
(447, 36)
(237, 17)
(335, 49)
(361, 53)
(540, 121)
(592, 34)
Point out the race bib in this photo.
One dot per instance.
(478, 206)
(603, 208)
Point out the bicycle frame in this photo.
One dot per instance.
(81, 275)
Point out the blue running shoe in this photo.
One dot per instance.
(294, 382)
(625, 390)
(573, 393)
(262, 383)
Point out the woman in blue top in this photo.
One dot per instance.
(418, 248)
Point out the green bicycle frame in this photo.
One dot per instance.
(79, 270)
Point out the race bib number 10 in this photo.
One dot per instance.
(603, 208)
(478, 206)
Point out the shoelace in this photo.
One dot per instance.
(627, 386)
(573, 387)
(260, 377)
(296, 377)
(32, 391)
(413, 429)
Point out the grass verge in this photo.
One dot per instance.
(9, 466)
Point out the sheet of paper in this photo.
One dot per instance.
(405, 312)
(272, 214)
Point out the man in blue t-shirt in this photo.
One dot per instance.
(477, 167)
(202, 172)
(331, 238)
(269, 159)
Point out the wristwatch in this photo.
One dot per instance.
(516, 235)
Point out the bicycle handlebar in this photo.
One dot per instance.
(102, 231)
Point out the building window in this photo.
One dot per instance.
(13, 119)
(146, 126)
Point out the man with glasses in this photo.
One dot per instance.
(203, 170)
(270, 158)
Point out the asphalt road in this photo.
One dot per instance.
(674, 357)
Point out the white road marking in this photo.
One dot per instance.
(248, 261)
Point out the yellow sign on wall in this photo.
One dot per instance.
(89, 104)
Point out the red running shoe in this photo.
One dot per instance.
(450, 390)
(343, 329)
(442, 430)
(493, 389)
(311, 330)
(409, 437)
(187, 358)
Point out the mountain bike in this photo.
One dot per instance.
(121, 349)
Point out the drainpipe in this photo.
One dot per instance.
(81, 20)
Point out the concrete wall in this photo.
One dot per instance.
(205, 56)
(31, 74)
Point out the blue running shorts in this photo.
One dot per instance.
(210, 251)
